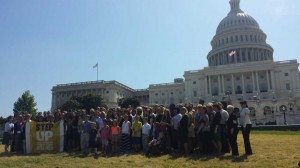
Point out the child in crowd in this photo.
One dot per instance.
(93, 138)
(104, 135)
(115, 136)
(145, 131)
(136, 133)
(155, 145)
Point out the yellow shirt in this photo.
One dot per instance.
(137, 129)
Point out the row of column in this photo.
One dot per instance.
(254, 78)
(79, 92)
(241, 55)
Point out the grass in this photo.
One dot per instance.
(270, 149)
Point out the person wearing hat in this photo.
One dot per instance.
(246, 126)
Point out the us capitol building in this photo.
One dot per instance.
(240, 67)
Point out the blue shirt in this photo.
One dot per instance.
(86, 126)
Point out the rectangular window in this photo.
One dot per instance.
(286, 74)
(195, 93)
(288, 86)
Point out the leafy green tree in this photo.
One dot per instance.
(2, 120)
(70, 105)
(25, 104)
(83, 102)
(125, 102)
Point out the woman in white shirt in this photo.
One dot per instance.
(8, 132)
(246, 126)
(125, 139)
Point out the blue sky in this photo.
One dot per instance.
(136, 42)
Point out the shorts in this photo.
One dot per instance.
(6, 139)
(115, 138)
(104, 143)
(136, 140)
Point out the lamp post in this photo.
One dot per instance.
(291, 102)
(257, 102)
(283, 109)
(229, 101)
(274, 102)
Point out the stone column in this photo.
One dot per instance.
(241, 55)
(257, 82)
(209, 85)
(206, 85)
(272, 80)
(235, 57)
(243, 84)
(252, 54)
(223, 84)
(268, 81)
(246, 54)
(253, 83)
(232, 82)
(219, 85)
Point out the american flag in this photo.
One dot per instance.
(232, 53)
(95, 66)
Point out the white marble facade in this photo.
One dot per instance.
(110, 91)
(249, 74)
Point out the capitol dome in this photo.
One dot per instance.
(238, 39)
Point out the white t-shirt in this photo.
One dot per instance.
(176, 120)
(9, 127)
(125, 127)
(245, 117)
(146, 128)
(224, 116)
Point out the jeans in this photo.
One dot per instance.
(84, 143)
(233, 141)
(246, 135)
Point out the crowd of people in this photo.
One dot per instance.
(208, 129)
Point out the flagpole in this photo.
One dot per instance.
(97, 71)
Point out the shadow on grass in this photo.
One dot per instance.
(80, 155)
(200, 157)
(234, 158)
(10, 154)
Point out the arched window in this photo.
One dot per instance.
(215, 91)
(238, 90)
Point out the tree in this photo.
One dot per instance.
(70, 105)
(25, 104)
(83, 102)
(125, 102)
(2, 120)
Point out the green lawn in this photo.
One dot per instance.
(270, 149)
